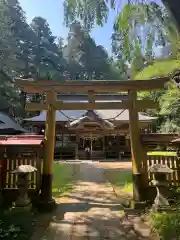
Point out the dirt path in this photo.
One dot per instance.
(92, 212)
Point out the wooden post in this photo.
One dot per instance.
(104, 146)
(139, 178)
(3, 168)
(178, 160)
(77, 147)
(46, 186)
(118, 150)
(91, 148)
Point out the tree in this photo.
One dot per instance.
(137, 29)
(174, 9)
(12, 27)
(47, 57)
(170, 109)
(8, 46)
(87, 60)
(159, 29)
(10, 98)
(92, 12)
(169, 104)
(88, 11)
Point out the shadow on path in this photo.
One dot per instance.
(92, 211)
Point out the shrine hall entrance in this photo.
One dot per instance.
(103, 147)
(95, 146)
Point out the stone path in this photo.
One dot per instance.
(92, 212)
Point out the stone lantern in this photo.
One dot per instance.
(23, 200)
(160, 173)
(176, 78)
(176, 143)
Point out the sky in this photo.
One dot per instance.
(52, 10)
(55, 17)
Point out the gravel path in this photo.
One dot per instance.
(92, 212)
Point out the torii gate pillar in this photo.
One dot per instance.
(140, 178)
(46, 200)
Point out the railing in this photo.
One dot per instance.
(11, 156)
(171, 160)
(10, 181)
(150, 143)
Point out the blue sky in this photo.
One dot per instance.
(52, 10)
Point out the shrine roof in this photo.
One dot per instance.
(7, 123)
(22, 140)
(66, 115)
(91, 118)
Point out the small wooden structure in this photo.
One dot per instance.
(171, 161)
(51, 88)
(20, 150)
(150, 143)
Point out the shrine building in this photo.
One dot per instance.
(104, 132)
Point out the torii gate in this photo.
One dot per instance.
(51, 88)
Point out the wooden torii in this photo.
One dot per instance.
(51, 88)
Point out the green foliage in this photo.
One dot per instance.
(167, 224)
(10, 97)
(90, 12)
(125, 29)
(168, 99)
(87, 60)
(170, 109)
(159, 69)
(127, 41)
(13, 36)
(137, 29)
(46, 56)
(32, 51)
(17, 225)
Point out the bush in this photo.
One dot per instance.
(167, 224)
(20, 225)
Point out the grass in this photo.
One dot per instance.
(63, 178)
(121, 181)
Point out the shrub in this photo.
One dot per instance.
(167, 224)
